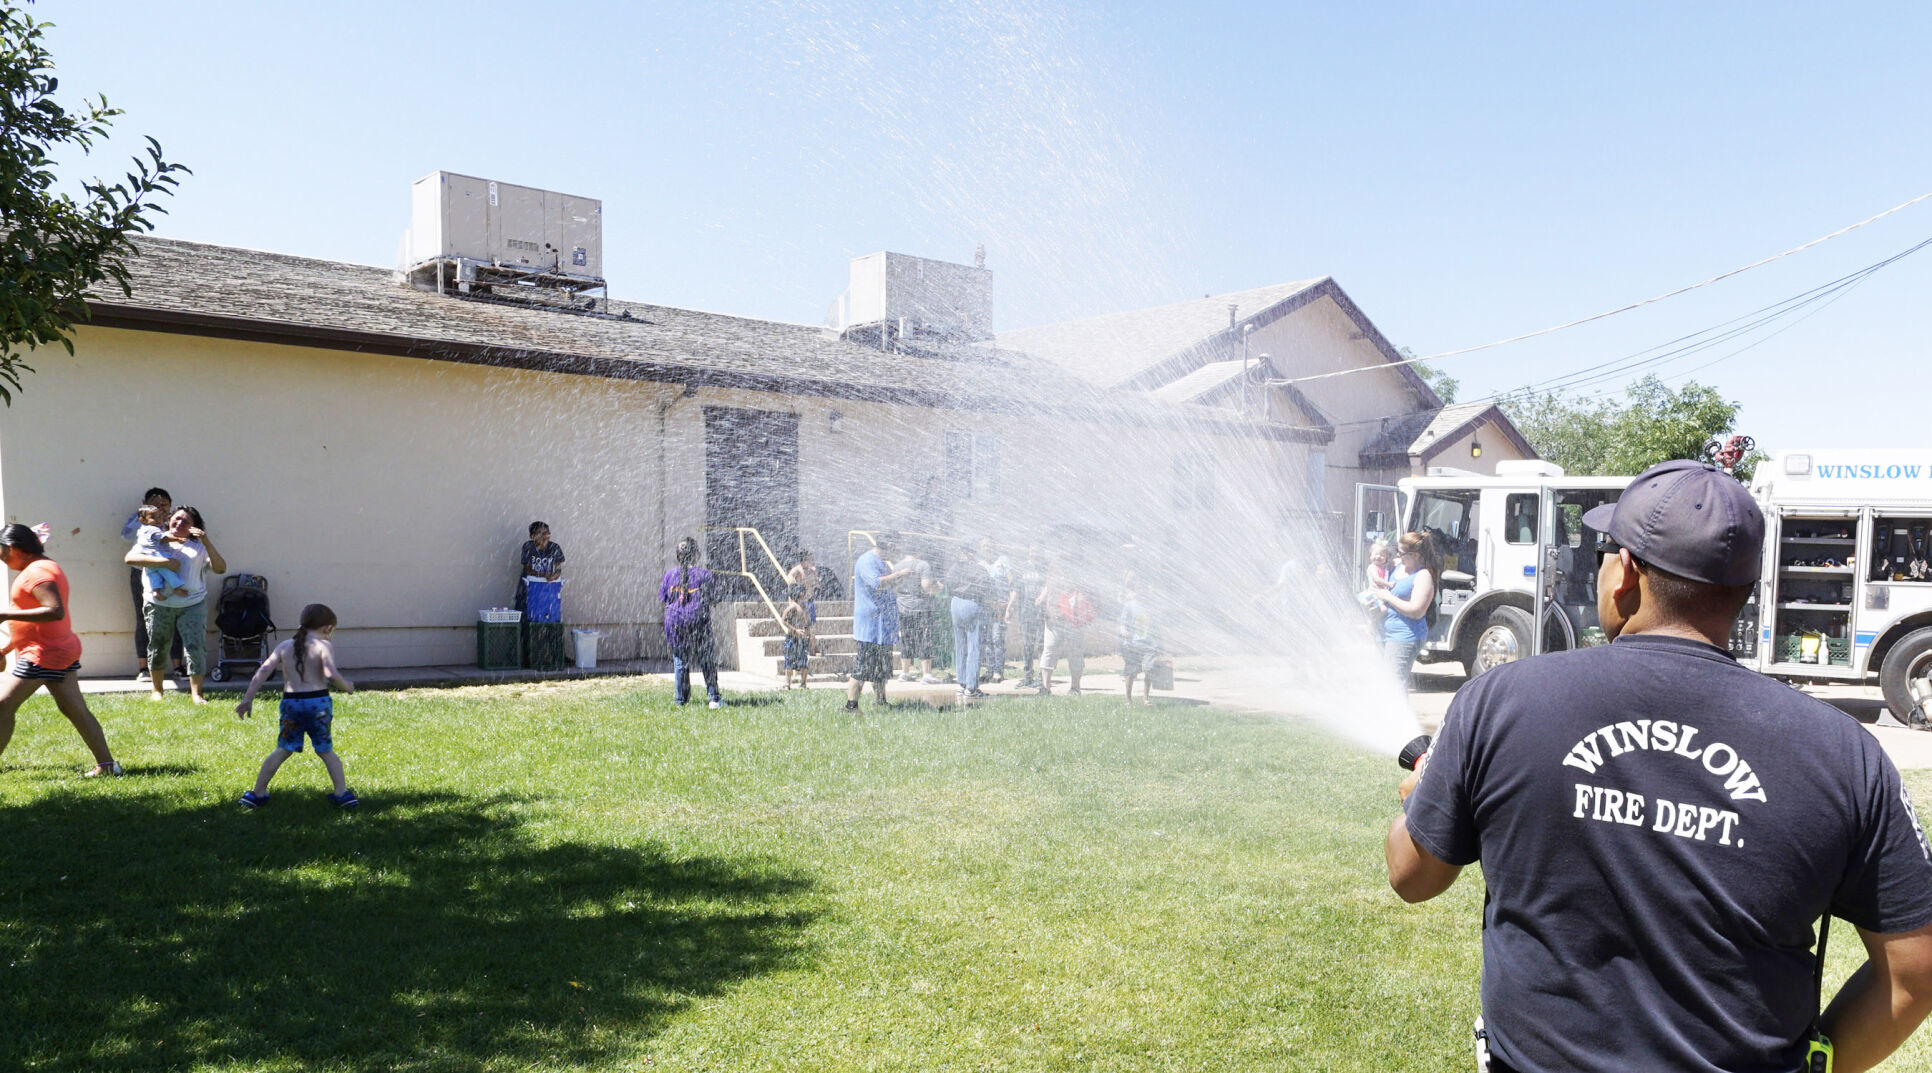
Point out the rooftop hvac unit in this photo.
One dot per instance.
(920, 296)
(470, 230)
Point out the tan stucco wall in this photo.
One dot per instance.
(1320, 338)
(398, 490)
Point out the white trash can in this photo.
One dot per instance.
(586, 641)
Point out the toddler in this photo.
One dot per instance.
(160, 581)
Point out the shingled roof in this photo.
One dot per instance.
(1419, 434)
(1113, 349)
(220, 291)
(1217, 379)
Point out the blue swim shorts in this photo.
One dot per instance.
(306, 713)
(797, 655)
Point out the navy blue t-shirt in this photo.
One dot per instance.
(1659, 829)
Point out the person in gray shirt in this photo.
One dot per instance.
(915, 591)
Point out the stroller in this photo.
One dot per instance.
(247, 632)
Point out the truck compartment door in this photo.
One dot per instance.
(1378, 516)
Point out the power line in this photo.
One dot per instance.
(1625, 308)
(1821, 296)
(1704, 339)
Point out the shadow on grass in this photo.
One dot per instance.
(745, 700)
(144, 770)
(430, 931)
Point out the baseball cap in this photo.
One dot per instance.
(1689, 518)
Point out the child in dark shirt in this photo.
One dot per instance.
(799, 641)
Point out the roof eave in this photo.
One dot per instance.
(1492, 414)
(131, 317)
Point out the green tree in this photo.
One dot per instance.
(1444, 385)
(53, 249)
(1570, 433)
(1653, 423)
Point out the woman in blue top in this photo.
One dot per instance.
(1407, 595)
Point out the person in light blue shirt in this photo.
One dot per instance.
(1407, 596)
(875, 619)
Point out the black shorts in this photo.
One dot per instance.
(34, 672)
(1135, 658)
(875, 662)
(915, 635)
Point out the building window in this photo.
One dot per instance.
(972, 465)
(986, 466)
(1193, 481)
(959, 464)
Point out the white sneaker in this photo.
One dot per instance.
(717, 704)
(929, 680)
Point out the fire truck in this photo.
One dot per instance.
(1845, 593)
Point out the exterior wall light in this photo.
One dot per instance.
(837, 421)
(1475, 448)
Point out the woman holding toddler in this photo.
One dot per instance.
(184, 550)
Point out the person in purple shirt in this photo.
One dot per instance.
(687, 623)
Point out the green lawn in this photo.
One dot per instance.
(589, 877)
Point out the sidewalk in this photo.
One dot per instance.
(1197, 682)
(408, 677)
(443, 677)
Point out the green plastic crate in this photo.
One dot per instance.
(499, 646)
(1790, 648)
(543, 646)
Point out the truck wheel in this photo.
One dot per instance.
(1909, 661)
(1505, 638)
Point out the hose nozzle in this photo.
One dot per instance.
(1413, 751)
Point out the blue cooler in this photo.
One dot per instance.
(543, 601)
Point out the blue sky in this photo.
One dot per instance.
(1466, 173)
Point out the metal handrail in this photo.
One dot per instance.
(759, 586)
(744, 570)
(849, 534)
(783, 570)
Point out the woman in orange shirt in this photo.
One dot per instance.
(45, 650)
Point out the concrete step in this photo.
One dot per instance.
(827, 627)
(829, 646)
(755, 608)
(833, 664)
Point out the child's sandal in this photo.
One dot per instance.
(251, 800)
(345, 799)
